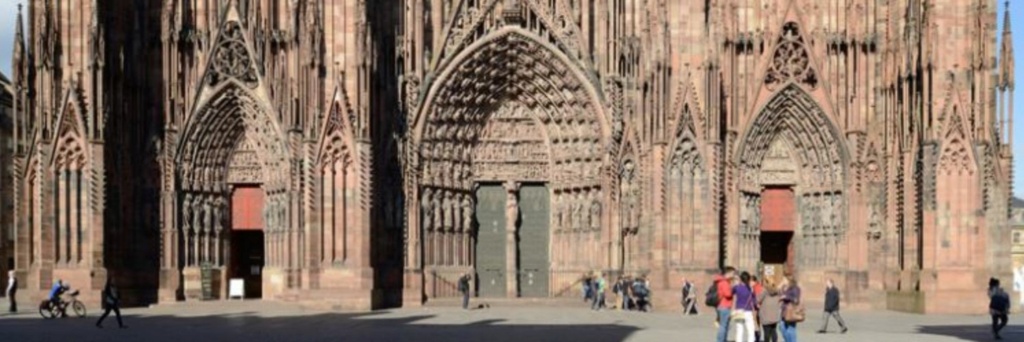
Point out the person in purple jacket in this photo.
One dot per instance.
(743, 305)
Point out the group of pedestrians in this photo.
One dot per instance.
(110, 298)
(631, 293)
(760, 313)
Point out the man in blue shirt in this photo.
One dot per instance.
(57, 290)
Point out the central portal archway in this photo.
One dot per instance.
(792, 199)
(512, 159)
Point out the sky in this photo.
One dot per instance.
(9, 10)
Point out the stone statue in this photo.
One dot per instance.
(428, 211)
(448, 211)
(595, 211)
(207, 216)
(512, 208)
(197, 215)
(186, 212)
(467, 214)
(282, 214)
(435, 207)
(577, 212)
(267, 218)
(218, 215)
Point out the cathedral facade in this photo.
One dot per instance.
(360, 154)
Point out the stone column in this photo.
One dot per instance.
(74, 214)
(511, 218)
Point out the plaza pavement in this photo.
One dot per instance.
(273, 321)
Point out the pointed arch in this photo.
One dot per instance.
(338, 174)
(957, 195)
(70, 125)
(821, 155)
(686, 205)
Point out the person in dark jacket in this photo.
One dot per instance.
(832, 307)
(998, 306)
(464, 290)
(111, 301)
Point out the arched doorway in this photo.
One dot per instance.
(232, 193)
(512, 156)
(792, 198)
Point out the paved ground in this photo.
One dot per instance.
(268, 321)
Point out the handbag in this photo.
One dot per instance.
(794, 313)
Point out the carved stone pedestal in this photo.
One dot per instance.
(192, 278)
(170, 286)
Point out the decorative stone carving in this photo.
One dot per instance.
(448, 212)
(595, 211)
(231, 58)
(427, 210)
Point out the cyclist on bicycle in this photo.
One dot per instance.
(58, 289)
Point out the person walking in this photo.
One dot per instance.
(723, 296)
(792, 312)
(770, 313)
(998, 306)
(743, 306)
(599, 287)
(586, 283)
(832, 307)
(464, 290)
(12, 290)
(689, 298)
(111, 301)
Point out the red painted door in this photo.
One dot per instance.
(247, 208)
(778, 210)
(778, 222)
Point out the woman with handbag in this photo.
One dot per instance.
(743, 309)
(792, 309)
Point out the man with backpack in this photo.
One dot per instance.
(998, 306)
(719, 296)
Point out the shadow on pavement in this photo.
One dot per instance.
(975, 332)
(251, 326)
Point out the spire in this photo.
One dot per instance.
(1006, 54)
(19, 40)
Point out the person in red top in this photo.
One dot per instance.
(724, 283)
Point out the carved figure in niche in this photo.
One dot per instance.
(207, 216)
(282, 214)
(577, 212)
(447, 211)
(467, 214)
(268, 218)
(435, 207)
(186, 212)
(197, 214)
(427, 209)
(511, 208)
(595, 211)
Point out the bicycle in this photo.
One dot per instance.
(49, 310)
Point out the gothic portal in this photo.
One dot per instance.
(361, 154)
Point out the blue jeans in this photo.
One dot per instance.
(598, 301)
(723, 324)
(465, 300)
(789, 331)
